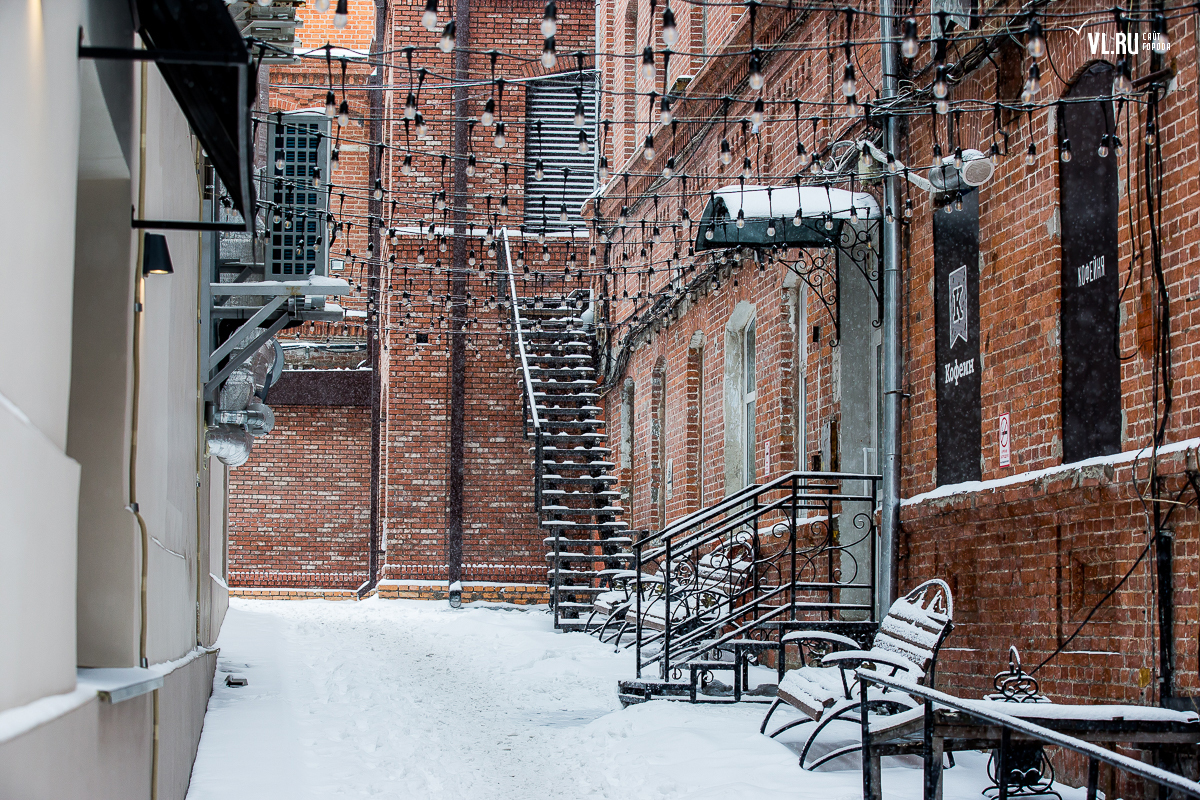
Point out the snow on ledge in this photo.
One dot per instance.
(21, 720)
(968, 487)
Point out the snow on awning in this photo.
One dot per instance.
(775, 207)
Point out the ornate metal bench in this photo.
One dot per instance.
(906, 643)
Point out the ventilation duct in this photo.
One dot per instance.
(240, 414)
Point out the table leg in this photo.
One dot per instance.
(1002, 765)
(1093, 778)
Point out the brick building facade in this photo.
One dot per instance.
(280, 532)
(1031, 547)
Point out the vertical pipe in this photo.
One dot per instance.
(458, 303)
(374, 293)
(890, 528)
(1164, 540)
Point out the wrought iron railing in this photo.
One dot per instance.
(799, 549)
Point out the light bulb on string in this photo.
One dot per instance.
(756, 77)
(539, 170)
(1150, 135)
(562, 214)
(489, 112)
(406, 167)
(550, 20)
(1117, 149)
(994, 154)
(647, 70)
(1033, 85)
(446, 43)
(1122, 83)
(498, 139)
(603, 169)
(908, 208)
(623, 217)
(669, 168)
(943, 107)
(648, 150)
(378, 193)
(316, 178)
(910, 46)
(747, 167)
(958, 158)
(334, 159)
(888, 216)
(1035, 42)
(579, 117)
(828, 222)
(958, 203)
(410, 106)
(1031, 155)
(664, 115)
(1102, 150)
(849, 84)
(341, 15)
(726, 153)
(343, 116)
(756, 116)
(708, 233)
(796, 220)
(504, 204)
(429, 16)
(279, 162)
(670, 34)
(330, 104)
(322, 6)
(549, 59)
(421, 128)
(771, 228)
(583, 143)
(1064, 150)
(941, 87)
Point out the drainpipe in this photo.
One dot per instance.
(890, 517)
(458, 306)
(374, 295)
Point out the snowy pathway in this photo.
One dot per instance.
(404, 699)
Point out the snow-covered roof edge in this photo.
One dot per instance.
(951, 489)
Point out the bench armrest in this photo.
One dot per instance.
(877, 657)
(820, 636)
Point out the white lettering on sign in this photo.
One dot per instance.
(1091, 271)
(1005, 441)
(958, 305)
(958, 370)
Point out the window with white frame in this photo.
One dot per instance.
(749, 397)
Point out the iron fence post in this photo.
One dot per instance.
(637, 620)
(667, 618)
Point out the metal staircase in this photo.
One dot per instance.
(586, 543)
(717, 589)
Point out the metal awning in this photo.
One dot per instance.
(209, 70)
(767, 207)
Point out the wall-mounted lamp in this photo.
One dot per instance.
(156, 258)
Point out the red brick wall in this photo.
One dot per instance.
(299, 509)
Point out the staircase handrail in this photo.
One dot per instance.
(669, 532)
(512, 292)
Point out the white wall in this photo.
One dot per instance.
(38, 482)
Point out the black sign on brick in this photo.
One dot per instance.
(956, 325)
(1091, 368)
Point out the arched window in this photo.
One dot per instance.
(695, 422)
(741, 398)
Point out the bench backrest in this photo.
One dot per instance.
(917, 624)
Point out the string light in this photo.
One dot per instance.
(549, 59)
(429, 17)
(1035, 42)
(647, 71)
(670, 34)
(550, 20)
(910, 46)
(341, 16)
(446, 43)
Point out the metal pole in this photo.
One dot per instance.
(890, 527)
(458, 302)
(375, 293)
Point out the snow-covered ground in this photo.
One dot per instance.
(406, 699)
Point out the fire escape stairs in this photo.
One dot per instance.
(578, 510)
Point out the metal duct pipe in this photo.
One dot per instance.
(240, 414)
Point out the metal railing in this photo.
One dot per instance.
(760, 560)
(1093, 753)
